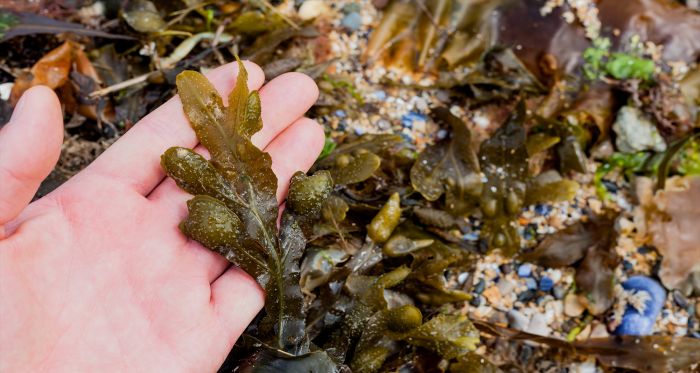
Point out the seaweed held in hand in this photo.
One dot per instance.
(234, 211)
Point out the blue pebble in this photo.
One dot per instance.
(610, 186)
(441, 134)
(525, 270)
(627, 266)
(546, 284)
(529, 232)
(359, 131)
(471, 236)
(350, 8)
(543, 210)
(407, 138)
(380, 95)
(559, 292)
(531, 283)
(410, 117)
(634, 322)
(352, 21)
(340, 114)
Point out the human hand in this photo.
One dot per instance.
(96, 275)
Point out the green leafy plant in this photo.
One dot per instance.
(628, 164)
(601, 62)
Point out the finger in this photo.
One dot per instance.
(135, 159)
(284, 100)
(236, 299)
(30, 144)
(294, 150)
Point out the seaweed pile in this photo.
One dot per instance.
(398, 251)
(358, 274)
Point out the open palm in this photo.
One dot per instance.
(96, 276)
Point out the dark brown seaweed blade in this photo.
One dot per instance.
(645, 354)
(29, 24)
(593, 242)
(569, 245)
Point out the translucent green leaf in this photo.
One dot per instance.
(450, 336)
(550, 187)
(211, 223)
(354, 169)
(308, 193)
(504, 160)
(449, 168)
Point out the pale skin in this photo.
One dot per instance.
(96, 276)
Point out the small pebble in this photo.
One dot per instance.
(352, 21)
(546, 284)
(499, 318)
(517, 320)
(538, 325)
(506, 268)
(383, 124)
(441, 134)
(360, 131)
(599, 331)
(479, 287)
(644, 249)
(505, 286)
(525, 355)
(340, 114)
(462, 278)
(588, 366)
(527, 295)
(559, 292)
(642, 323)
(525, 270)
(476, 301)
(471, 236)
(380, 95)
(493, 295)
(311, 9)
(409, 118)
(531, 283)
(627, 266)
(610, 186)
(542, 209)
(573, 307)
(351, 8)
(680, 299)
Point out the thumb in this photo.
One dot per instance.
(30, 144)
